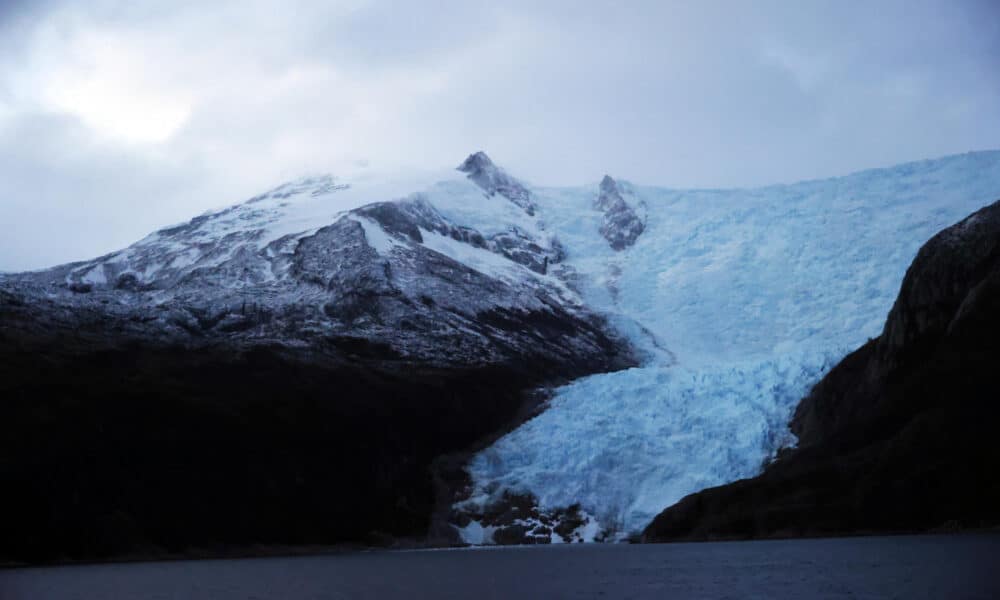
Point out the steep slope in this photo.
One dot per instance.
(278, 373)
(899, 435)
(742, 301)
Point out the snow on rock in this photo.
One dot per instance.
(495, 180)
(377, 238)
(480, 259)
(95, 276)
(754, 293)
(395, 278)
(622, 224)
(516, 519)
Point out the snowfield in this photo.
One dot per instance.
(742, 299)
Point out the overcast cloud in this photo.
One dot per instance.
(117, 119)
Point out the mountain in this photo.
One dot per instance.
(463, 358)
(273, 373)
(396, 280)
(899, 435)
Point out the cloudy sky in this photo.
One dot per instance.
(120, 117)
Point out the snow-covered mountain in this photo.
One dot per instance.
(461, 271)
(280, 372)
(726, 304)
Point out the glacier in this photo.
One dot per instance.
(741, 299)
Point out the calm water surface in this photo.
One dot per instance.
(960, 566)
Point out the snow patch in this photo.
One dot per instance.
(465, 203)
(474, 533)
(95, 276)
(377, 238)
(484, 261)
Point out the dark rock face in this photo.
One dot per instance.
(900, 435)
(948, 283)
(203, 391)
(621, 225)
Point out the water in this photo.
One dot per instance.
(959, 566)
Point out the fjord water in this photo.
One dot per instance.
(932, 566)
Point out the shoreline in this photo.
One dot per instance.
(270, 552)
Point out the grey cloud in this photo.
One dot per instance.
(63, 197)
(680, 94)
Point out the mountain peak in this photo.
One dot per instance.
(622, 225)
(494, 180)
(476, 162)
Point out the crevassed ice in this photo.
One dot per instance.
(624, 445)
(752, 295)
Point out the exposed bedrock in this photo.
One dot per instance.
(622, 225)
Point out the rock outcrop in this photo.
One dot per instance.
(622, 225)
(494, 180)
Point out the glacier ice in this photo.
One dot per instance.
(626, 444)
(743, 299)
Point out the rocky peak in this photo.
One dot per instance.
(477, 162)
(622, 225)
(609, 196)
(608, 185)
(494, 180)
